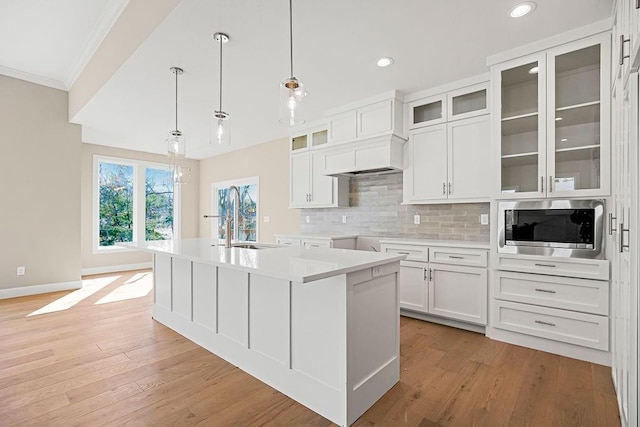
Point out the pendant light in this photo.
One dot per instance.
(292, 90)
(177, 144)
(176, 141)
(220, 127)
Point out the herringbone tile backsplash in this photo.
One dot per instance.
(376, 209)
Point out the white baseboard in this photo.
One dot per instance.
(39, 289)
(115, 268)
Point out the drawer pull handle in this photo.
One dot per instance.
(404, 253)
(545, 323)
(456, 257)
(544, 265)
(549, 291)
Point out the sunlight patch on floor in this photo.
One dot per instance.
(137, 286)
(89, 287)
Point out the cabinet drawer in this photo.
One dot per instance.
(587, 330)
(570, 267)
(316, 243)
(288, 242)
(457, 256)
(589, 296)
(413, 252)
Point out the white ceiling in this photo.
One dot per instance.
(336, 44)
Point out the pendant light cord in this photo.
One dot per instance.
(176, 73)
(291, 34)
(221, 43)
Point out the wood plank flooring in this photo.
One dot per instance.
(102, 360)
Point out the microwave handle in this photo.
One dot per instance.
(611, 228)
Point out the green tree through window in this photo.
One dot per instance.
(116, 203)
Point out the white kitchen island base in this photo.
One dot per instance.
(331, 344)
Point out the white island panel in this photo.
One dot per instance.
(233, 305)
(181, 287)
(269, 312)
(162, 281)
(204, 279)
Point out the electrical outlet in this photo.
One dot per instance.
(266, 218)
(307, 219)
(344, 219)
(416, 219)
(484, 219)
(21, 270)
(375, 271)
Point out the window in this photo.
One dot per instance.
(133, 201)
(247, 218)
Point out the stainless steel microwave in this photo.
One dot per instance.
(569, 228)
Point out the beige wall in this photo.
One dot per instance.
(40, 173)
(269, 161)
(190, 196)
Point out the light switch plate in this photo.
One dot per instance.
(484, 219)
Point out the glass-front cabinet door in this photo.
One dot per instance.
(522, 142)
(578, 120)
(554, 121)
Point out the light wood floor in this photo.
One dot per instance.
(104, 361)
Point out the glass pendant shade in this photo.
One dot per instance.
(176, 146)
(181, 174)
(292, 94)
(220, 132)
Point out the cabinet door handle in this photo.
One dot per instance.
(424, 270)
(403, 253)
(444, 188)
(430, 275)
(542, 184)
(550, 184)
(311, 197)
(450, 191)
(544, 265)
(545, 323)
(622, 42)
(456, 257)
(548, 291)
(611, 219)
(622, 230)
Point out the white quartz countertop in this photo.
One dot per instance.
(437, 243)
(318, 236)
(297, 264)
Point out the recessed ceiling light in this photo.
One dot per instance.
(384, 62)
(522, 9)
(534, 70)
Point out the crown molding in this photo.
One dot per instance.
(33, 78)
(106, 21)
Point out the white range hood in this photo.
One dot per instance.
(381, 154)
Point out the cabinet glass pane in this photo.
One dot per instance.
(427, 112)
(577, 120)
(319, 138)
(519, 129)
(469, 102)
(298, 142)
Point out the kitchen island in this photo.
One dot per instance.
(320, 325)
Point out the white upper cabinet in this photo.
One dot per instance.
(448, 161)
(552, 121)
(308, 186)
(372, 117)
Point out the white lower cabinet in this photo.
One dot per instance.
(458, 292)
(446, 282)
(413, 286)
(548, 304)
